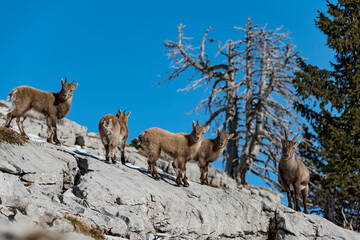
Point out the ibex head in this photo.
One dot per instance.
(223, 138)
(122, 115)
(67, 89)
(288, 147)
(198, 131)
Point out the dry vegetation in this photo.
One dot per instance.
(10, 136)
(85, 229)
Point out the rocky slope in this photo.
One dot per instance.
(68, 192)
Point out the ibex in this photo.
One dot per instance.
(293, 174)
(209, 152)
(113, 131)
(53, 106)
(172, 146)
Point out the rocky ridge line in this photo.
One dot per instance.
(42, 184)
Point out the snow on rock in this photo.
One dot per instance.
(41, 185)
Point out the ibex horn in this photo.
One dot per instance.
(286, 136)
(73, 82)
(197, 122)
(65, 79)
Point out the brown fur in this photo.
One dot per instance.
(293, 174)
(173, 146)
(53, 106)
(114, 129)
(209, 152)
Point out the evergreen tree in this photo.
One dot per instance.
(331, 104)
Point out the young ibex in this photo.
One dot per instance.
(293, 174)
(114, 130)
(53, 106)
(209, 152)
(172, 146)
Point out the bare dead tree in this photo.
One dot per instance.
(250, 93)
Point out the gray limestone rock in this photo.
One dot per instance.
(62, 225)
(41, 184)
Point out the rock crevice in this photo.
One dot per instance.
(42, 184)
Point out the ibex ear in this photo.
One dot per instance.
(62, 81)
(297, 144)
(207, 128)
(119, 111)
(75, 86)
(128, 114)
(230, 137)
(193, 124)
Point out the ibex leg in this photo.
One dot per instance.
(19, 121)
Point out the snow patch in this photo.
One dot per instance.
(69, 193)
(108, 237)
(36, 138)
(4, 111)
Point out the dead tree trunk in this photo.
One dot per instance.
(231, 115)
(242, 94)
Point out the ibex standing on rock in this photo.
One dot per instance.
(209, 152)
(114, 130)
(179, 147)
(54, 106)
(293, 174)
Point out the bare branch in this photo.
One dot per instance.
(214, 115)
(249, 92)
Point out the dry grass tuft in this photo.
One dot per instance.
(85, 229)
(38, 236)
(18, 208)
(10, 136)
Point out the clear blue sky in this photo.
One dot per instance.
(115, 51)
